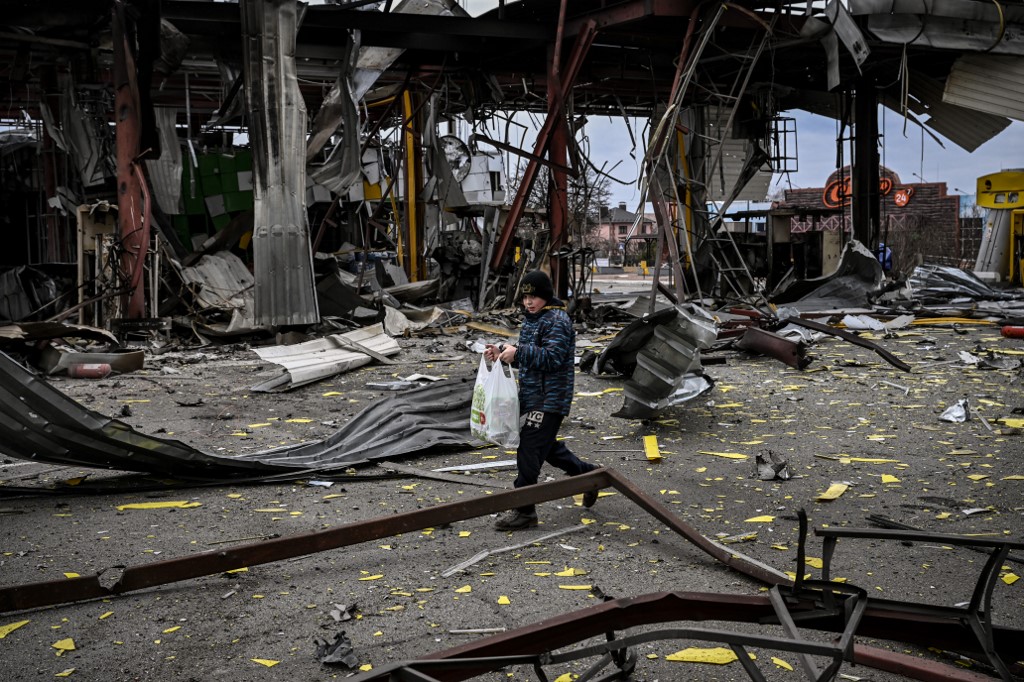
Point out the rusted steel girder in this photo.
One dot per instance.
(793, 353)
(117, 581)
(471, 659)
(567, 77)
(128, 131)
(852, 338)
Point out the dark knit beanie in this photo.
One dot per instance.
(538, 284)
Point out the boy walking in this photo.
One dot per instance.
(545, 357)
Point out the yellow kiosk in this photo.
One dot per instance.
(1001, 254)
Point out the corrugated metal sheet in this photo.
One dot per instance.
(304, 363)
(734, 155)
(225, 284)
(41, 424)
(283, 261)
(964, 127)
(990, 83)
(165, 173)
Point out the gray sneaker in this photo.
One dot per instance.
(516, 520)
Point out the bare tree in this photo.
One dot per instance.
(587, 193)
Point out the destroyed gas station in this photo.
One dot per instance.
(256, 248)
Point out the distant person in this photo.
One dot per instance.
(545, 357)
(884, 256)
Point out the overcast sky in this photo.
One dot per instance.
(910, 156)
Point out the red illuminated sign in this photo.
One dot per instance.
(839, 192)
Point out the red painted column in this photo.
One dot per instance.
(130, 205)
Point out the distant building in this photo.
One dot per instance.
(920, 221)
(616, 222)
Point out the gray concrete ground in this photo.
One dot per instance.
(835, 422)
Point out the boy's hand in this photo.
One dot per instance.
(505, 352)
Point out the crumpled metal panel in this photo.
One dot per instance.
(966, 128)
(734, 158)
(285, 292)
(165, 173)
(990, 83)
(304, 363)
(39, 423)
(361, 67)
(224, 283)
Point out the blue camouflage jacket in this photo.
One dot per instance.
(546, 360)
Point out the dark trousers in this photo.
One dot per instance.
(537, 445)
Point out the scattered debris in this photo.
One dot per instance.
(311, 361)
(770, 465)
(480, 556)
(958, 412)
(337, 650)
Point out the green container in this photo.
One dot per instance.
(209, 164)
(237, 201)
(213, 185)
(229, 182)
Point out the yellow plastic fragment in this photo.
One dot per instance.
(1013, 423)
(465, 533)
(377, 576)
(167, 504)
(717, 655)
(977, 477)
(1010, 578)
(11, 627)
(726, 455)
(1015, 477)
(63, 645)
(570, 573)
(104, 616)
(298, 421)
(331, 394)
(172, 629)
(760, 519)
(65, 673)
(726, 406)
(834, 492)
(651, 448)
(259, 425)
(565, 677)
(574, 587)
(465, 589)
(71, 574)
(781, 663)
(503, 600)
(814, 562)
(868, 460)
(270, 663)
(365, 667)
(889, 478)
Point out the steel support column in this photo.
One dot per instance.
(568, 77)
(558, 195)
(866, 197)
(128, 132)
(414, 209)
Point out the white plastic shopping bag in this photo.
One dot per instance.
(495, 413)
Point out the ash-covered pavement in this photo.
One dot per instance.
(849, 418)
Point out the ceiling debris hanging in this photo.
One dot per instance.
(448, 152)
